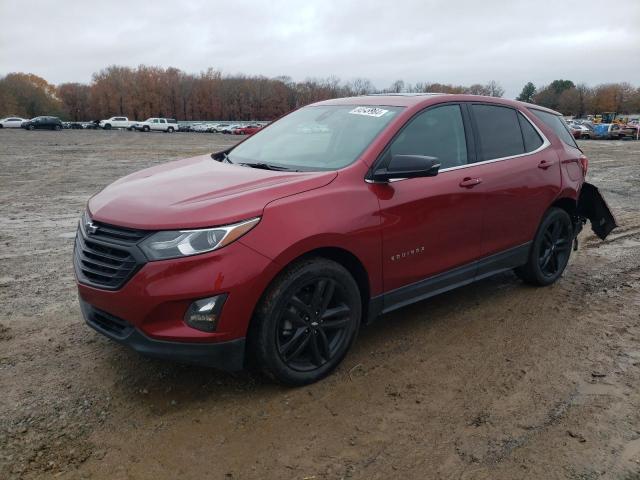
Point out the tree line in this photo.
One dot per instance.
(146, 91)
(581, 100)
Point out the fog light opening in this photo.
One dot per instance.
(204, 314)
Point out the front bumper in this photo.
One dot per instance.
(155, 299)
(228, 356)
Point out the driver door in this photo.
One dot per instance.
(431, 225)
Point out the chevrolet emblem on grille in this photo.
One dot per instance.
(90, 227)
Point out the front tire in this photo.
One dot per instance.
(170, 130)
(145, 128)
(550, 251)
(306, 322)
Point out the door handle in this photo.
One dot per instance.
(544, 164)
(469, 182)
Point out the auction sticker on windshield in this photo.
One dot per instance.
(369, 111)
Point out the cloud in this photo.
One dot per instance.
(458, 42)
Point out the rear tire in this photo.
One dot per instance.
(550, 251)
(306, 322)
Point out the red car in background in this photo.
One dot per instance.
(247, 130)
(273, 253)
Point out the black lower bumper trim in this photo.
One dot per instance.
(228, 356)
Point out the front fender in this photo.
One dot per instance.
(341, 218)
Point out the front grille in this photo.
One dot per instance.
(108, 257)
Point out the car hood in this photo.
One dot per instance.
(196, 192)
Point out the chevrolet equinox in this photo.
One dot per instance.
(273, 253)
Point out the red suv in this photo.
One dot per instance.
(274, 253)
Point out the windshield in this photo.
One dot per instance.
(326, 137)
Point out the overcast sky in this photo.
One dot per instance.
(448, 41)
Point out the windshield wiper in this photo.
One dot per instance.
(268, 166)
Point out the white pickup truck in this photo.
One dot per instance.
(116, 122)
(169, 125)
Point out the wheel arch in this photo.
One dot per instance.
(568, 204)
(340, 255)
(352, 264)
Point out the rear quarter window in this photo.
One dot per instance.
(557, 124)
(532, 139)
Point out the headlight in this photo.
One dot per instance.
(182, 243)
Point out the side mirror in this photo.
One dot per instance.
(407, 166)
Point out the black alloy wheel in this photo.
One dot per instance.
(555, 248)
(313, 325)
(306, 322)
(551, 249)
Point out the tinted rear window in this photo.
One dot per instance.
(532, 140)
(499, 131)
(557, 124)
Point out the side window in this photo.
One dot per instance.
(437, 132)
(498, 130)
(556, 123)
(532, 140)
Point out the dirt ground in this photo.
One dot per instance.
(493, 381)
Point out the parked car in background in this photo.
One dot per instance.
(247, 130)
(607, 131)
(229, 129)
(43, 123)
(629, 132)
(157, 125)
(214, 260)
(116, 122)
(12, 122)
(92, 125)
(220, 127)
(582, 132)
(200, 127)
